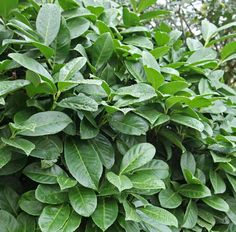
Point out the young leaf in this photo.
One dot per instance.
(122, 182)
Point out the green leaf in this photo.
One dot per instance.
(155, 167)
(46, 123)
(130, 124)
(80, 155)
(188, 164)
(53, 218)
(7, 7)
(22, 144)
(69, 70)
(77, 26)
(11, 86)
(27, 222)
(50, 194)
(102, 50)
(154, 215)
(188, 121)
(29, 204)
(228, 50)
(217, 182)
(194, 191)
(66, 182)
(154, 77)
(173, 87)
(43, 175)
(122, 182)
(202, 55)
(169, 199)
(9, 200)
(87, 130)
(129, 17)
(154, 14)
(139, 41)
(72, 223)
(143, 4)
(8, 222)
(79, 102)
(137, 156)
(104, 149)
(105, 213)
(83, 201)
(32, 65)
(136, 70)
(191, 215)
(5, 157)
(146, 181)
(48, 22)
(216, 203)
(68, 4)
(208, 29)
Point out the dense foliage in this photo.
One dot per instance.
(107, 125)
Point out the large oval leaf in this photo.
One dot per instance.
(43, 175)
(105, 213)
(169, 199)
(83, 201)
(217, 203)
(102, 50)
(46, 123)
(80, 155)
(194, 191)
(104, 149)
(152, 215)
(130, 124)
(10, 86)
(50, 194)
(8, 222)
(137, 156)
(53, 218)
(48, 22)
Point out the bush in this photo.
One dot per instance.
(107, 125)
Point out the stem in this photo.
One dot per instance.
(55, 98)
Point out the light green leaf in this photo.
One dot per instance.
(53, 217)
(155, 167)
(7, 6)
(46, 123)
(191, 215)
(169, 199)
(83, 201)
(102, 50)
(154, 215)
(217, 182)
(188, 121)
(194, 191)
(66, 182)
(105, 213)
(77, 26)
(32, 65)
(68, 71)
(80, 155)
(217, 203)
(137, 156)
(173, 87)
(48, 22)
(122, 182)
(228, 50)
(79, 102)
(202, 55)
(22, 144)
(139, 41)
(11, 86)
(143, 4)
(208, 29)
(50, 194)
(146, 181)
